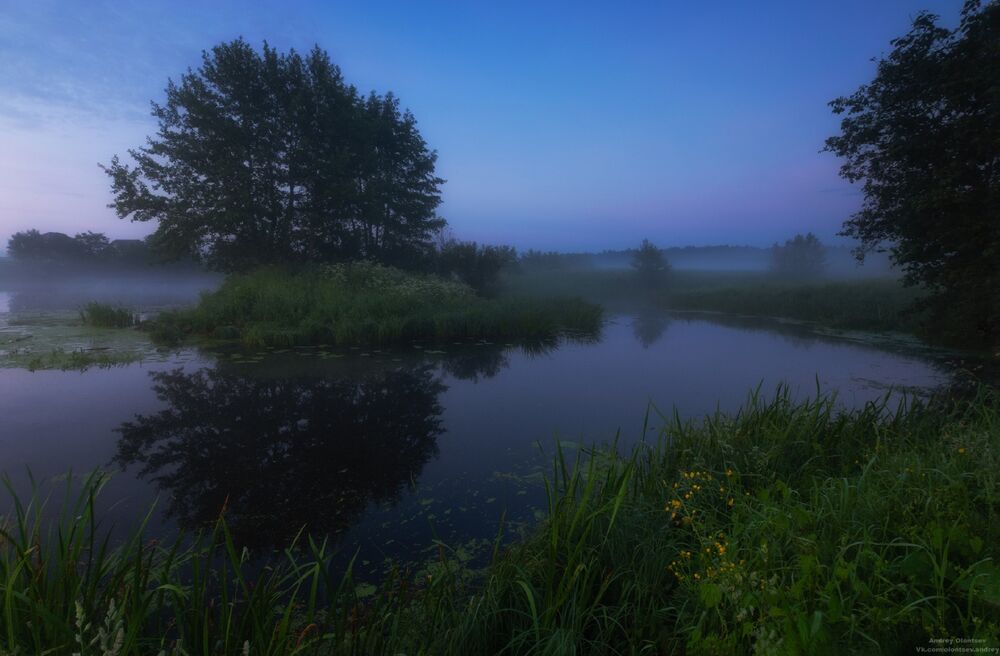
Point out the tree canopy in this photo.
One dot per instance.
(650, 264)
(924, 139)
(267, 157)
(802, 256)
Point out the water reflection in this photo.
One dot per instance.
(280, 454)
(649, 325)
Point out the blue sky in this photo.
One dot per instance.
(566, 126)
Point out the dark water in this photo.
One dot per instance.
(384, 450)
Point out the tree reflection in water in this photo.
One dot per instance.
(282, 454)
(649, 325)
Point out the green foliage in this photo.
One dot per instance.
(788, 527)
(800, 257)
(923, 138)
(883, 305)
(478, 266)
(271, 158)
(650, 265)
(370, 304)
(39, 253)
(102, 315)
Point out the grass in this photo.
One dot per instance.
(367, 304)
(102, 315)
(871, 304)
(875, 305)
(788, 527)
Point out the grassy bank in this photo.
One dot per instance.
(366, 304)
(785, 528)
(874, 304)
(878, 304)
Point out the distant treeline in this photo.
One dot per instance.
(55, 252)
(838, 261)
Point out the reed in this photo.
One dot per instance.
(871, 304)
(787, 527)
(102, 315)
(367, 304)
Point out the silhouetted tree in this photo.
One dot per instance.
(286, 453)
(802, 257)
(264, 157)
(50, 247)
(93, 245)
(924, 138)
(478, 266)
(650, 264)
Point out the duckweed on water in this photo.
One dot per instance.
(60, 341)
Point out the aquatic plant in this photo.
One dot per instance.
(102, 315)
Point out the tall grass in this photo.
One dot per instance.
(366, 304)
(872, 304)
(788, 527)
(102, 315)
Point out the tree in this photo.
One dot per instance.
(264, 158)
(650, 265)
(50, 247)
(92, 244)
(924, 139)
(478, 266)
(802, 256)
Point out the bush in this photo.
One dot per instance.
(478, 266)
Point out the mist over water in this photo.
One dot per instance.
(325, 436)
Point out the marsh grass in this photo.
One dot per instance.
(102, 315)
(367, 304)
(870, 304)
(788, 527)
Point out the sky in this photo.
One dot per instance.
(559, 125)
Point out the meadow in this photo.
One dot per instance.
(787, 527)
(368, 304)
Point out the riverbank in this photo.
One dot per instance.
(880, 304)
(866, 304)
(786, 526)
(368, 305)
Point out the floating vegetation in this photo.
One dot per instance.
(59, 341)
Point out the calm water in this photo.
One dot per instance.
(384, 450)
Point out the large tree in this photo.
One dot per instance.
(924, 139)
(267, 157)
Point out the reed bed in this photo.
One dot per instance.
(787, 527)
(102, 315)
(870, 304)
(367, 304)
